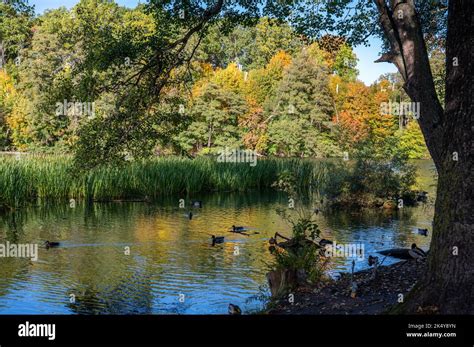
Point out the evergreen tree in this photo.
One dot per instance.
(301, 107)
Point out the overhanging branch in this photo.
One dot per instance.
(408, 52)
(395, 55)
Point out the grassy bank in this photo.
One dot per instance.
(49, 177)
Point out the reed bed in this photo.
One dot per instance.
(31, 178)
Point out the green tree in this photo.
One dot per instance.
(45, 78)
(303, 106)
(345, 63)
(16, 18)
(338, 56)
(438, 68)
(220, 50)
(214, 123)
(251, 46)
(68, 59)
(7, 97)
(411, 140)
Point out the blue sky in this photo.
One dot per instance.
(41, 5)
(368, 70)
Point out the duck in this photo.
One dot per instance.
(234, 310)
(49, 244)
(416, 253)
(373, 260)
(217, 239)
(423, 232)
(403, 253)
(236, 229)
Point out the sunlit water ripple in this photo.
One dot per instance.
(172, 267)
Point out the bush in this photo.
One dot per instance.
(298, 260)
(374, 175)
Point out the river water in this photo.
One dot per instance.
(150, 258)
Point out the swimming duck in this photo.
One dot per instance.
(218, 239)
(237, 229)
(49, 244)
(423, 232)
(416, 253)
(234, 310)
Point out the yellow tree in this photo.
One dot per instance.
(13, 123)
(261, 83)
(353, 119)
(382, 125)
(260, 88)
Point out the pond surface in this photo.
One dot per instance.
(172, 267)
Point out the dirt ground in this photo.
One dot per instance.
(373, 296)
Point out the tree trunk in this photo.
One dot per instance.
(448, 285)
(281, 281)
(2, 55)
(449, 281)
(209, 137)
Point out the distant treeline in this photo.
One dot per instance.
(261, 87)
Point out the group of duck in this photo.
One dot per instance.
(234, 229)
(414, 252)
(196, 204)
(219, 239)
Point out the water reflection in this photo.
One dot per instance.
(172, 268)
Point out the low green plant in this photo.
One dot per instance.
(301, 254)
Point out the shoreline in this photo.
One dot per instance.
(373, 296)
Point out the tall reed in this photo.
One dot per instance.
(53, 177)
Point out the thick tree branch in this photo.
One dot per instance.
(408, 52)
(395, 55)
(207, 16)
(154, 75)
(176, 58)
